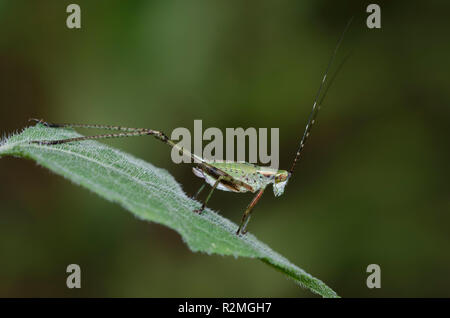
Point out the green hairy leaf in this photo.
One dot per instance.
(150, 193)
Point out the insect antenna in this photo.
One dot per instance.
(316, 105)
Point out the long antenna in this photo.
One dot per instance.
(316, 108)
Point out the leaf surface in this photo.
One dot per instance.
(150, 193)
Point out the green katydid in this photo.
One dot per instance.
(236, 177)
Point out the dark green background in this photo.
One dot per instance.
(372, 186)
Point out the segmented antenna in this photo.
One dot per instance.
(316, 107)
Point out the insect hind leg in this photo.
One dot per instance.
(121, 132)
(41, 121)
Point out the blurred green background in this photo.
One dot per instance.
(372, 186)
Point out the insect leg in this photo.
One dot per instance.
(95, 126)
(199, 190)
(126, 132)
(62, 141)
(209, 195)
(246, 216)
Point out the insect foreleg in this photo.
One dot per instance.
(246, 216)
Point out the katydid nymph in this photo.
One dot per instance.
(239, 177)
